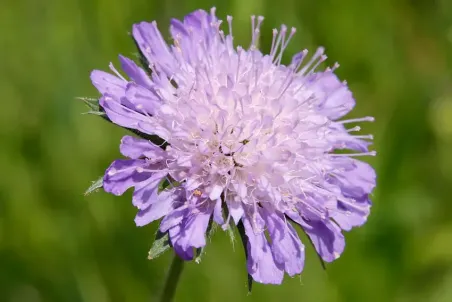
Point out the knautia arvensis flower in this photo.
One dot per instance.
(245, 141)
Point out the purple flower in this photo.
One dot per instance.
(248, 142)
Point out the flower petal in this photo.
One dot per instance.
(261, 264)
(288, 251)
(218, 212)
(144, 100)
(358, 180)
(160, 207)
(153, 46)
(175, 234)
(235, 210)
(124, 174)
(326, 238)
(136, 148)
(136, 73)
(194, 228)
(174, 218)
(335, 99)
(121, 112)
(352, 213)
(108, 83)
(146, 192)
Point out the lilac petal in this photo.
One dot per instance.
(135, 148)
(358, 181)
(346, 141)
(195, 19)
(200, 26)
(123, 174)
(216, 191)
(146, 192)
(352, 214)
(288, 251)
(355, 181)
(144, 100)
(235, 210)
(218, 212)
(121, 111)
(336, 100)
(108, 83)
(194, 228)
(136, 74)
(174, 218)
(157, 209)
(177, 29)
(174, 234)
(152, 45)
(260, 263)
(326, 238)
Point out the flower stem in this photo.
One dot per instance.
(172, 279)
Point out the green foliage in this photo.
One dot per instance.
(95, 186)
(160, 245)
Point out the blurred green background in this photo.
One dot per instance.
(58, 245)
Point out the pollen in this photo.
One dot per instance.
(197, 192)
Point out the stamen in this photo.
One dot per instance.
(298, 59)
(212, 12)
(282, 39)
(321, 60)
(314, 58)
(286, 43)
(358, 120)
(112, 68)
(371, 153)
(253, 28)
(278, 41)
(369, 136)
(229, 19)
(335, 66)
(354, 129)
(272, 49)
(239, 54)
(222, 37)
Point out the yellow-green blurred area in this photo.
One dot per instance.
(58, 245)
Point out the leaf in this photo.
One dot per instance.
(230, 228)
(166, 184)
(91, 103)
(160, 245)
(95, 113)
(95, 185)
(94, 107)
(241, 230)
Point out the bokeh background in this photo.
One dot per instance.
(58, 245)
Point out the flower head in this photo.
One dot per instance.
(248, 142)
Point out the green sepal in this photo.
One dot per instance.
(230, 228)
(166, 184)
(241, 230)
(160, 245)
(95, 186)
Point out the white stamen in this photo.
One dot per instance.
(357, 120)
(112, 68)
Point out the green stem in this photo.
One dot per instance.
(172, 279)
